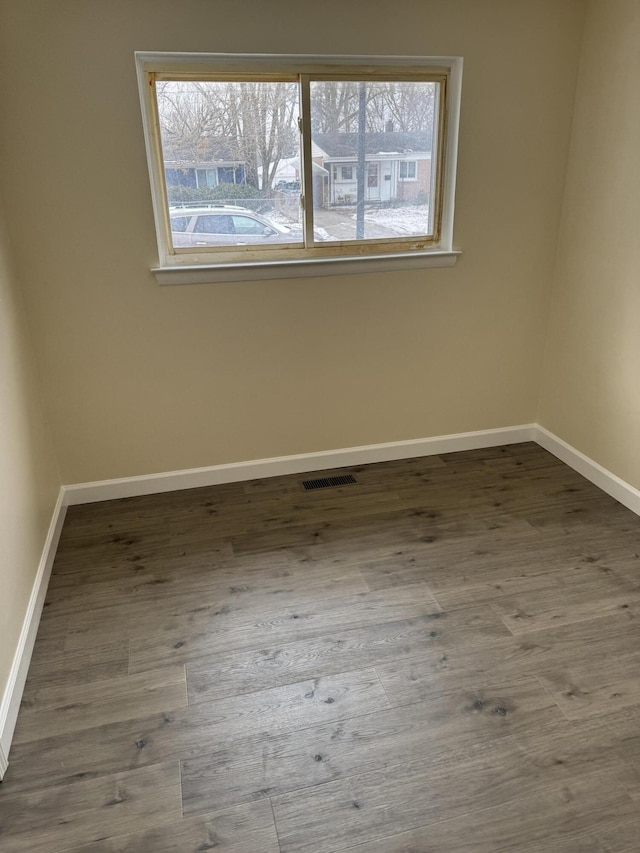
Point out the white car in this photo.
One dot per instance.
(225, 225)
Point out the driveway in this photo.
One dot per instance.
(340, 226)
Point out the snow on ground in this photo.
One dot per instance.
(280, 218)
(296, 228)
(393, 222)
(412, 220)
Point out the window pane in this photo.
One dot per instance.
(232, 143)
(408, 170)
(214, 224)
(245, 225)
(179, 223)
(373, 148)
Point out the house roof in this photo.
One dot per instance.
(291, 166)
(208, 149)
(394, 142)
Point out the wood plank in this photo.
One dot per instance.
(477, 629)
(441, 727)
(68, 708)
(573, 749)
(380, 529)
(400, 799)
(577, 642)
(101, 552)
(622, 837)
(297, 706)
(579, 596)
(189, 732)
(201, 596)
(589, 688)
(539, 653)
(56, 667)
(57, 818)
(186, 638)
(490, 557)
(552, 821)
(242, 829)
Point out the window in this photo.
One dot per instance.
(179, 223)
(206, 177)
(245, 225)
(225, 133)
(407, 170)
(213, 224)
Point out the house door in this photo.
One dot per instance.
(373, 182)
(385, 181)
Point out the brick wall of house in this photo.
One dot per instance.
(408, 190)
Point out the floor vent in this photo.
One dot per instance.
(329, 482)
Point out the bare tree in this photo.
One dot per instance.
(403, 106)
(408, 105)
(266, 117)
(335, 106)
(253, 122)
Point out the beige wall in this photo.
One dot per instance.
(141, 378)
(28, 471)
(591, 386)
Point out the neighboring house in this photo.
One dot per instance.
(398, 166)
(220, 161)
(205, 164)
(198, 174)
(288, 177)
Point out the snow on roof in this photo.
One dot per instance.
(391, 142)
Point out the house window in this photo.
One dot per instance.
(262, 117)
(204, 177)
(407, 170)
(180, 223)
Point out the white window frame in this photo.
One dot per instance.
(329, 258)
(407, 163)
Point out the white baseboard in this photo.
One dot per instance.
(622, 491)
(18, 674)
(235, 472)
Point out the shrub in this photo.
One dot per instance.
(241, 194)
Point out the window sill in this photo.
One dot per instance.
(263, 270)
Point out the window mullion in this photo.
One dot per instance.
(307, 160)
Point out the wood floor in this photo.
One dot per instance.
(441, 658)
